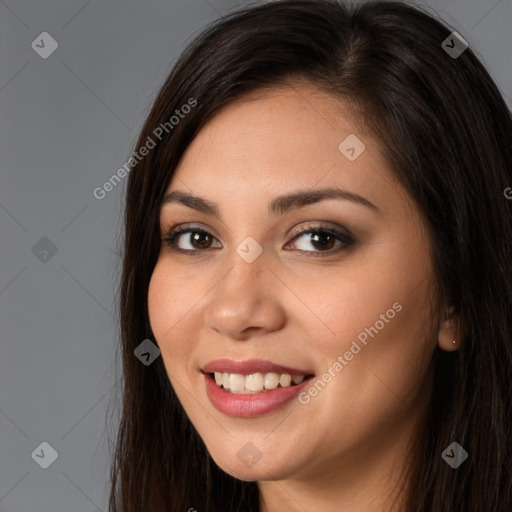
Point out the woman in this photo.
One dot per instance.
(319, 244)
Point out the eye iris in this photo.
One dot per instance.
(197, 236)
(319, 236)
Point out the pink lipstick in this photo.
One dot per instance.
(253, 387)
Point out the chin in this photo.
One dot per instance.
(245, 464)
(259, 472)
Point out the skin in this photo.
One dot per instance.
(300, 304)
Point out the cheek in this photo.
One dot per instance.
(159, 302)
(379, 324)
(169, 302)
(356, 307)
(385, 363)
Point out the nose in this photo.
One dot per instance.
(246, 303)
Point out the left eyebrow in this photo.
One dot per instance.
(278, 206)
(283, 204)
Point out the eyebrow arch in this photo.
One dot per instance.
(278, 206)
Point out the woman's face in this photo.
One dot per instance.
(251, 298)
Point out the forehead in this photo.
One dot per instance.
(290, 131)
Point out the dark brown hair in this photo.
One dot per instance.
(446, 133)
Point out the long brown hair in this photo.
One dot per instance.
(446, 132)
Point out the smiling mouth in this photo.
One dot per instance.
(255, 383)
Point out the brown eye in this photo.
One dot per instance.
(323, 240)
(200, 240)
(196, 239)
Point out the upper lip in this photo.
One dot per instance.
(250, 366)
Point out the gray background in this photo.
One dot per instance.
(67, 123)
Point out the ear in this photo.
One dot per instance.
(448, 336)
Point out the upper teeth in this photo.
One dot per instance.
(256, 382)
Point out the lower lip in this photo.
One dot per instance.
(250, 405)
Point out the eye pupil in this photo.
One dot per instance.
(322, 237)
(198, 235)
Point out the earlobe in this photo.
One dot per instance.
(448, 337)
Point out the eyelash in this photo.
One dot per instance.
(173, 234)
